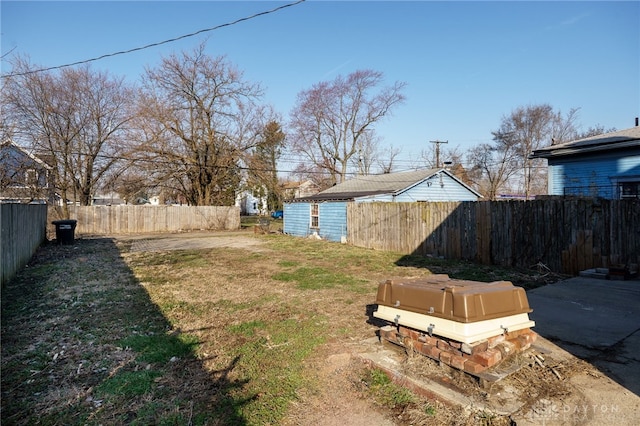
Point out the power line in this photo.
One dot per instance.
(171, 40)
(286, 159)
(179, 163)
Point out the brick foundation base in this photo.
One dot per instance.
(474, 358)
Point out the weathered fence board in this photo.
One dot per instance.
(566, 235)
(22, 230)
(129, 219)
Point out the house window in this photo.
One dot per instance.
(315, 213)
(630, 190)
(30, 177)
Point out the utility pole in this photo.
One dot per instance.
(360, 161)
(438, 151)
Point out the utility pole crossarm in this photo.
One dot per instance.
(437, 142)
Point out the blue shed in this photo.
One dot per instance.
(325, 213)
(606, 166)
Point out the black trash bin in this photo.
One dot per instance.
(65, 230)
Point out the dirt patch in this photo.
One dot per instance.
(336, 401)
(196, 242)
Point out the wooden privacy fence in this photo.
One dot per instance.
(22, 230)
(126, 219)
(566, 235)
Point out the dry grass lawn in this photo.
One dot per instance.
(104, 332)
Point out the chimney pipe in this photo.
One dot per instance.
(636, 121)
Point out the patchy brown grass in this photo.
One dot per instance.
(97, 333)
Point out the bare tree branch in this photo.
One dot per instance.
(199, 122)
(332, 121)
(76, 120)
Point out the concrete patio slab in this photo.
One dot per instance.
(588, 312)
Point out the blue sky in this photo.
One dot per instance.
(466, 64)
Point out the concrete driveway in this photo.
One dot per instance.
(596, 320)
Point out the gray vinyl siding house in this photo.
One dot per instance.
(605, 166)
(325, 214)
(24, 178)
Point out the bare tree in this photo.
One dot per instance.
(596, 130)
(507, 164)
(75, 120)
(263, 164)
(107, 105)
(7, 127)
(199, 120)
(451, 158)
(447, 155)
(388, 158)
(563, 128)
(492, 167)
(131, 184)
(314, 173)
(527, 129)
(367, 154)
(330, 120)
